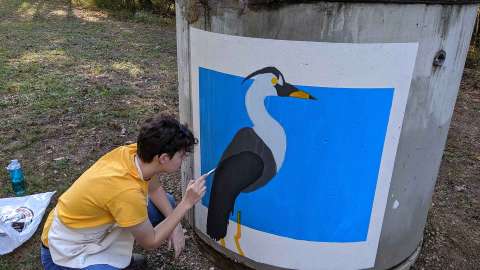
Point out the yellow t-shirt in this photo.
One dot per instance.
(111, 191)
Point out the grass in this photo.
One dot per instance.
(473, 59)
(70, 81)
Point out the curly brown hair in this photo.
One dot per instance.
(163, 134)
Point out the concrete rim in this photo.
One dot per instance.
(408, 262)
(224, 257)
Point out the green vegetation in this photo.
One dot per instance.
(164, 7)
(74, 84)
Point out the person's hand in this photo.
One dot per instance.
(195, 191)
(177, 240)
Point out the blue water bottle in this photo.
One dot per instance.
(16, 175)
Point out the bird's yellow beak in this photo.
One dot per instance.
(301, 94)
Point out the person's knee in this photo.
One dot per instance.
(171, 199)
(154, 214)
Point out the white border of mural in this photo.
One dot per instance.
(346, 65)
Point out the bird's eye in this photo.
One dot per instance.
(274, 80)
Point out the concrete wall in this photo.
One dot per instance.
(432, 95)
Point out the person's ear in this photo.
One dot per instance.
(163, 158)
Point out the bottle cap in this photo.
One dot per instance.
(14, 164)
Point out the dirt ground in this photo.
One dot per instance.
(76, 83)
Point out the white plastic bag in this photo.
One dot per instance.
(19, 219)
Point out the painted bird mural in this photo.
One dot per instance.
(255, 154)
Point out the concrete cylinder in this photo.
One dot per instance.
(439, 34)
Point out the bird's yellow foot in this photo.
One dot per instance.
(238, 235)
(222, 242)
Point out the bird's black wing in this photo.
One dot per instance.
(246, 140)
(233, 175)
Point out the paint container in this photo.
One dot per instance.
(385, 65)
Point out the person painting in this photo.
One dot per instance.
(120, 200)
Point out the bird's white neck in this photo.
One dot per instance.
(267, 128)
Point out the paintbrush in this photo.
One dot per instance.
(210, 172)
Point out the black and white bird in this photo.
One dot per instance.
(255, 154)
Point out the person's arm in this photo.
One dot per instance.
(150, 237)
(159, 198)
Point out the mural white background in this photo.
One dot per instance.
(388, 65)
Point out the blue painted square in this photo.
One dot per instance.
(324, 191)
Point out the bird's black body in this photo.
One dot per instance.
(246, 165)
